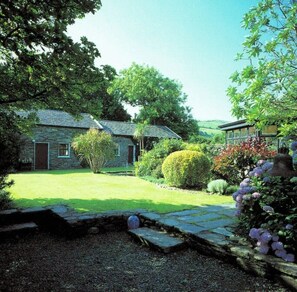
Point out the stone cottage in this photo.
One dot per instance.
(49, 146)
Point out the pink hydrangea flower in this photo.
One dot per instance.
(239, 198)
(260, 162)
(256, 195)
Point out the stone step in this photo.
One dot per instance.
(161, 241)
(17, 230)
(9, 217)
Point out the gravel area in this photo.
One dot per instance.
(113, 262)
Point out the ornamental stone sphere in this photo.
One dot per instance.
(133, 222)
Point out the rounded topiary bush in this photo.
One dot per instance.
(186, 168)
(150, 163)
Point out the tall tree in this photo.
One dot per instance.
(265, 90)
(139, 135)
(111, 107)
(160, 99)
(40, 65)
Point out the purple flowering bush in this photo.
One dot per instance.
(267, 212)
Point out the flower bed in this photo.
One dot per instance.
(267, 211)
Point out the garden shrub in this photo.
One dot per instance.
(5, 200)
(231, 189)
(218, 186)
(236, 161)
(9, 157)
(186, 168)
(267, 211)
(95, 147)
(191, 146)
(150, 163)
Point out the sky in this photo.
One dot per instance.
(194, 42)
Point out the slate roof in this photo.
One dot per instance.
(63, 119)
(234, 125)
(128, 129)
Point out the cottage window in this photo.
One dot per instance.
(64, 150)
(118, 150)
(252, 131)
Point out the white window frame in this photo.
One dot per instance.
(118, 150)
(64, 156)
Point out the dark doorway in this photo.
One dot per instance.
(130, 154)
(41, 156)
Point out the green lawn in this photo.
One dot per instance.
(85, 191)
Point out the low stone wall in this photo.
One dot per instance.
(61, 219)
(234, 250)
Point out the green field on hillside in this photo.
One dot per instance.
(210, 128)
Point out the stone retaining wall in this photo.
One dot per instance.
(235, 250)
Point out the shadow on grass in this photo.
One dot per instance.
(103, 205)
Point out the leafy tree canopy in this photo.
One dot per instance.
(265, 90)
(111, 107)
(160, 99)
(40, 65)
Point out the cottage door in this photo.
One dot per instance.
(41, 156)
(130, 154)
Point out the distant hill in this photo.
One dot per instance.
(210, 128)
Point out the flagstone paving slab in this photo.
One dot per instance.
(33, 210)
(151, 216)
(17, 229)
(186, 218)
(229, 213)
(169, 222)
(216, 223)
(184, 213)
(214, 238)
(215, 209)
(158, 240)
(206, 217)
(223, 231)
(189, 228)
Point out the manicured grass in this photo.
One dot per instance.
(85, 191)
(118, 169)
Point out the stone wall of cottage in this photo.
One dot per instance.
(53, 136)
(61, 135)
(122, 158)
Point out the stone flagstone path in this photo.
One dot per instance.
(215, 219)
(212, 223)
